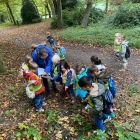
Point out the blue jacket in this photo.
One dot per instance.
(47, 63)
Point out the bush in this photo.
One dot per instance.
(29, 13)
(54, 23)
(126, 16)
(72, 17)
(96, 15)
(68, 3)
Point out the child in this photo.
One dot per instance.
(56, 71)
(91, 74)
(124, 53)
(97, 63)
(117, 43)
(98, 100)
(51, 40)
(60, 50)
(68, 77)
(35, 88)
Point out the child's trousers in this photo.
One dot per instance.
(70, 90)
(38, 101)
(99, 121)
(46, 84)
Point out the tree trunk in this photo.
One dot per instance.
(106, 7)
(59, 14)
(10, 12)
(88, 9)
(55, 6)
(48, 9)
(50, 2)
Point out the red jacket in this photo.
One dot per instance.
(32, 76)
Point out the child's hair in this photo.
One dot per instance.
(95, 60)
(48, 33)
(33, 46)
(104, 78)
(30, 63)
(65, 65)
(84, 82)
(92, 70)
(28, 58)
(117, 34)
(41, 52)
(56, 59)
(78, 68)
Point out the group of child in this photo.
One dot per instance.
(93, 85)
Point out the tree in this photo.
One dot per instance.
(55, 6)
(68, 3)
(48, 9)
(88, 9)
(29, 13)
(59, 14)
(7, 4)
(51, 4)
(106, 7)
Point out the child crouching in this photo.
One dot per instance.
(34, 88)
(99, 99)
(68, 77)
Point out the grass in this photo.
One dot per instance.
(6, 24)
(100, 34)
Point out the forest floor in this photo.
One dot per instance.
(59, 120)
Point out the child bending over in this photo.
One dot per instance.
(35, 87)
(68, 77)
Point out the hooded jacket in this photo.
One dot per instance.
(47, 63)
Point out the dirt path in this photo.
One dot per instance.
(15, 44)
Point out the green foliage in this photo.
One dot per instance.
(127, 15)
(28, 132)
(72, 17)
(2, 67)
(68, 3)
(96, 15)
(12, 89)
(54, 23)
(135, 1)
(99, 136)
(133, 89)
(6, 24)
(81, 124)
(124, 131)
(52, 116)
(29, 13)
(100, 34)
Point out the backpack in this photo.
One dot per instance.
(62, 51)
(128, 53)
(82, 74)
(73, 74)
(112, 86)
(107, 101)
(29, 93)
